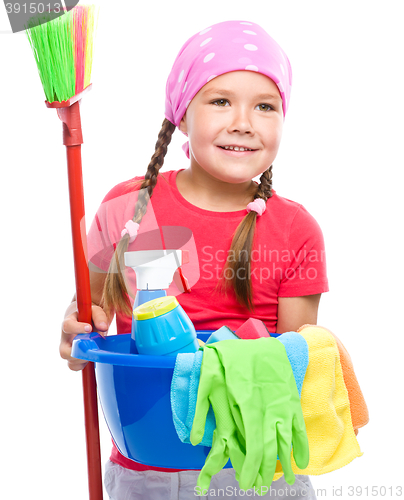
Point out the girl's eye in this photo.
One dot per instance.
(264, 107)
(220, 102)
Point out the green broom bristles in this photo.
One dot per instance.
(52, 45)
(62, 49)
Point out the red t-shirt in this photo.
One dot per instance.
(288, 258)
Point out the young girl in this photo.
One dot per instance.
(252, 253)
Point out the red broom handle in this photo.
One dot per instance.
(69, 113)
(92, 434)
(77, 214)
(83, 297)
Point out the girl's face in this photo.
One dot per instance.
(241, 109)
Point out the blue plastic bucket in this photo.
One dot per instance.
(134, 392)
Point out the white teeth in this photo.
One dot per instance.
(237, 148)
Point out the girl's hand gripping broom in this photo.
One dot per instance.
(63, 53)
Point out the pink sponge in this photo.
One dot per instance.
(252, 329)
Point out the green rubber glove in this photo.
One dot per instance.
(227, 441)
(265, 404)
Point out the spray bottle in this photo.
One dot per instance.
(159, 324)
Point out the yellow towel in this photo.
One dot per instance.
(325, 406)
(357, 403)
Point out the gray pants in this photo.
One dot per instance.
(125, 484)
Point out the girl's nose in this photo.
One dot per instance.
(241, 122)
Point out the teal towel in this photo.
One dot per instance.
(298, 355)
(185, 382)
(184, 392)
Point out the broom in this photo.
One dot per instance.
(63, 52)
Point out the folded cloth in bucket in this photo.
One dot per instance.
(183, 395)
(185, 382)
(326, 407)
(298, 355)
(359, 409)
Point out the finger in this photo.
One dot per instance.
(77, 365)
(71, 327)
(237, 457)
(214, 463)
(100, 319)
(71, 315)
(74, 364)
(202, 401)
(236, 447)
(65, 350)
(259, 482)
(284, 440)
(252, 420)
(300, 442)
(269, 459)
(66, 343)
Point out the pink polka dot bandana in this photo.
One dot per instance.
(221, 48)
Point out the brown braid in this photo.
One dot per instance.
(237, 270)
(115, 294)
(264, 189)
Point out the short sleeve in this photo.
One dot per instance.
(305, 271)
(104, 234)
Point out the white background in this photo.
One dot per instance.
(341, 157)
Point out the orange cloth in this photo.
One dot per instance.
(359, 410)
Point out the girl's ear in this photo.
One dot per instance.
(183, 124)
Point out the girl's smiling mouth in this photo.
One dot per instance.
(237, 150)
